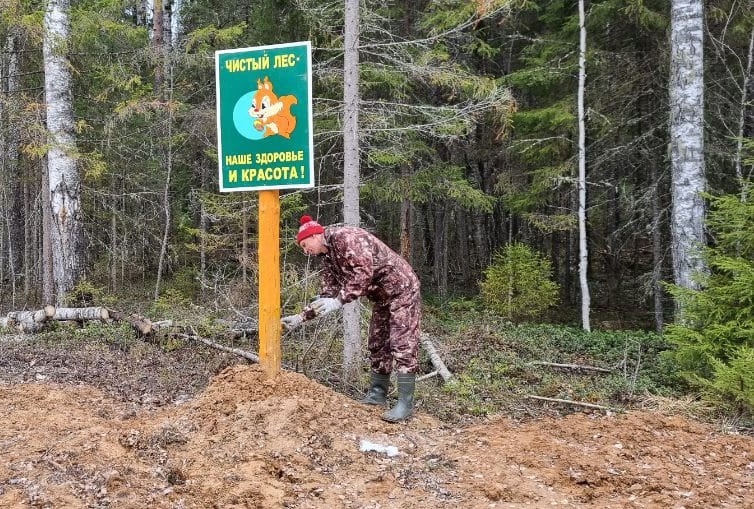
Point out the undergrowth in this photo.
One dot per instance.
(498, 365)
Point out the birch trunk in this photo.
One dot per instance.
(66, 235)
(351, 316)
(686, 91)
(583, 248)
(90, 313)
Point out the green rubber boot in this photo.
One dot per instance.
(377, 393)
(405, 406)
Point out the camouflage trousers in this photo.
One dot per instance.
(394, 334)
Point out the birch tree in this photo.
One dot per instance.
(351, 315)
(583, 249)
(686, 87)
(66, 227)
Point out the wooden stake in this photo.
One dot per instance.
(269, 281)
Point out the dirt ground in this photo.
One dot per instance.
(81, 437)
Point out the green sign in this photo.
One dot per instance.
(264, 117)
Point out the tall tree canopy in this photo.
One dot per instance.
(467, 140)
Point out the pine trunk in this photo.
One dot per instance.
(441, 249)
(12, 202)
(351, 313)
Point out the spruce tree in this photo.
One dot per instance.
(715, 341)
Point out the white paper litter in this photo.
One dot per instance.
(366, 445)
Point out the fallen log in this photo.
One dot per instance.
(143, 326)
(246, 328)
(437, 362)
(427, 376)
(237, 351)
(34, 321)
(571, 366)
(571, 402)
(81, 314)
(27, 321)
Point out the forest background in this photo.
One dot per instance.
(468, 145)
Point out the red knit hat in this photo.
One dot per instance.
(308, 228)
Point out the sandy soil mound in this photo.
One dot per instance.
(249, 442)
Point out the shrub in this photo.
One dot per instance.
(86, 294)
(517, 284)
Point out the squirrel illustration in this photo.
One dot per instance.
(272, 113)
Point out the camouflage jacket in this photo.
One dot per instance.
(359, 264)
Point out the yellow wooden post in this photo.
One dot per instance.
(269, 281)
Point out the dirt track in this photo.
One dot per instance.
(248, 442)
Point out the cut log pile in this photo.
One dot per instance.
(27, 322)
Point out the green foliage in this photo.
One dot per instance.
(449, 14)
(734, 380)
(517, 284)
(552, 118)
(731, 223)
(102, 31)
(641, 12)
(523, 193)
(553, 222)
(538, 78)
(383, 80)
(481, 387)
(86, 294)
(646, 15)
(748, 151)
(439, 182)
(171, 302)
(185, 282)
(715, 335)
(207, 38)
(119, 334)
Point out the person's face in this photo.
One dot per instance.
(314, 245)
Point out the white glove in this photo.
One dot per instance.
(325, 305)
(291, 322)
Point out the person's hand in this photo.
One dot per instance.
(325, 305)
(291, 322)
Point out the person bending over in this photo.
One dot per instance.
(356, 263)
